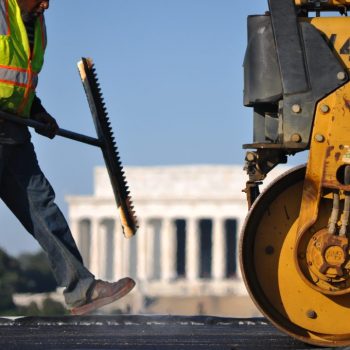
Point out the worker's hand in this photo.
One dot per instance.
(51, 126)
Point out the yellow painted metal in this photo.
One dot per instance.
(307, 299)
(337, 30)
(336, 3)
(325, 157)
(280, 280)
(329, 152)
(299, 299)
(273, 280)
(285, 277)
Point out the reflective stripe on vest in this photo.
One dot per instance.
(17, 77)
(4, 18)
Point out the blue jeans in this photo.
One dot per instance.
(28, 194)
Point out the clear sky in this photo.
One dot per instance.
(171, 74)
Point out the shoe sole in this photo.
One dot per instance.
(87, 308)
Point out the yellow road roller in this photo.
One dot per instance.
(294, 249)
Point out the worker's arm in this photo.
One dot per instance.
(39, 113)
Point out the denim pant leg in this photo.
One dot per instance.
(29, 195)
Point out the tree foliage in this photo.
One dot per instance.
(36, 273)
(30, 273)
(49, 307)
(10, 275)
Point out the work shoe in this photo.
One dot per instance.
(103, 293)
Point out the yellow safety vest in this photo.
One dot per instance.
(19, 66)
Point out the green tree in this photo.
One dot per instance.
(36, 274)
(31, 310)
(30, 273)
(52, 308)
(10, 273)
(49, 307)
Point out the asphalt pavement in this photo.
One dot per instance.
(137, 332)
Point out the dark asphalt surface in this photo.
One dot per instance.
(143, 332)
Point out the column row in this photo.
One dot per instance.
(164, 249)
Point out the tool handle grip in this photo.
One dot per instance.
(41, 126)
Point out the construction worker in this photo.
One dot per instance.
(23, 186)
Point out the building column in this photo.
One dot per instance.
(102, 250)
(219, 249)
(142, 250)
(192, 249)
(74, 227)
(119, 250)
(94, 248)
(149, 246)
(168, 250)
(126, 254)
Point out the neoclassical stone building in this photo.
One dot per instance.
(184, 256)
